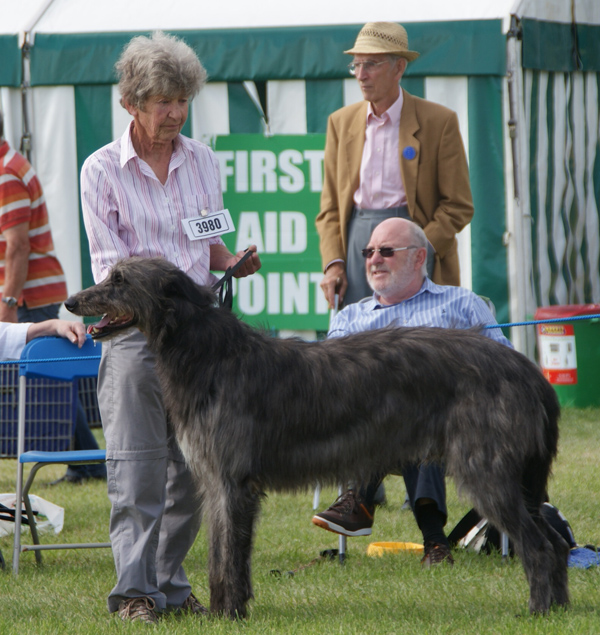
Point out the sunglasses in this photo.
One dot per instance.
(386, 252)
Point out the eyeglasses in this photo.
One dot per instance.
(366, 66)
(386, 252)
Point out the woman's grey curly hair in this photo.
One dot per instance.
(158, 65)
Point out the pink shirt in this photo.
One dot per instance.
(381, 185)
(127, 211)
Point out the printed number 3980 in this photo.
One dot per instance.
(208, 225)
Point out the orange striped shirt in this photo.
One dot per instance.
(22, 201)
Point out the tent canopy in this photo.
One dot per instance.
(268, 44)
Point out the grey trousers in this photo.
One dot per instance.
(361, 226)
(155, 514)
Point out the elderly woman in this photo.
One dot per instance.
(135, 193)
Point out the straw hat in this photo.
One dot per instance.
(382, 37)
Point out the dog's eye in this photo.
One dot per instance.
(117, 278)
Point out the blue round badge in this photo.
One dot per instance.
(409, 153)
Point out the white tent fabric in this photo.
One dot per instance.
(89, 16)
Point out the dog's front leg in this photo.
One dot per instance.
(233, 511)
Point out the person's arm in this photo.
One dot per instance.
(73, 331)
(328, 224)
(13, 337)
(221, 258)
(481, 315)
(16, 267)
(455, 204)
(101, 219)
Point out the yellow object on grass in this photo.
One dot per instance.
(380, 548)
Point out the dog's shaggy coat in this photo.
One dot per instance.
(253, 413)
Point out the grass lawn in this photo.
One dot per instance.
(371, 596)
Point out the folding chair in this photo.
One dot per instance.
(51, 358)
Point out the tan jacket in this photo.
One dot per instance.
(436, 179)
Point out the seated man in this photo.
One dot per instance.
(403, 296)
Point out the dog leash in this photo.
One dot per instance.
(224, 286)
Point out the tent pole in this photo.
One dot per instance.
(25, 145)
(26, 38)
(518, 237)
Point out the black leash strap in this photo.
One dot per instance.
(224, 285)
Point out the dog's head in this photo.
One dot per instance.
(140, 292)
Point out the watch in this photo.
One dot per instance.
(10, 301)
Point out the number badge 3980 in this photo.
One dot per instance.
(214, 224)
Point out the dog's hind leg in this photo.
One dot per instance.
(559, 559)
(534, 488)
(503, 505)
(534, 492)
(233, 511)
(534, 550)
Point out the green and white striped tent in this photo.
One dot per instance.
(523, 77)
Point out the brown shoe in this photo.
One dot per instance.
(138, 610)
(349, 516)
(191, 605)
(436, 553)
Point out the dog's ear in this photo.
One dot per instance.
(179, 285)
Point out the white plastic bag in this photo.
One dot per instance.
(50, 517)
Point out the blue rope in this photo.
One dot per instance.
(488, 326)
(548, 321)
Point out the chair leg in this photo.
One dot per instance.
(342, 540)
(30, 517)
(32, 526)
(17, 540)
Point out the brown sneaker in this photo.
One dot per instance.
(348, 516)
(138, 610)
(436, 553)
(191, 605)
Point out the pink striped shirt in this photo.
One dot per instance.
(381, 185)
(127, 211)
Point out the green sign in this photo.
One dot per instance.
(272, 188)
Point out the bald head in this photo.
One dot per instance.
(401, 275)
(400, 229)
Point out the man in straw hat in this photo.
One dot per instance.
(392, 155)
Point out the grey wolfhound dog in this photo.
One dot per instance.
(254, 413)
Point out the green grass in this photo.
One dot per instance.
(372, 596)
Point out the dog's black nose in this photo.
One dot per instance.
(70, 304)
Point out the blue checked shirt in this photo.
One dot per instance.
(433, 305)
